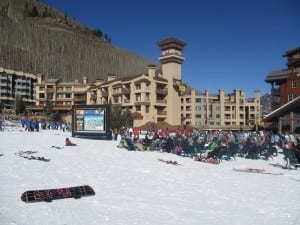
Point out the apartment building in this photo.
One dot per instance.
(151, 97)
(62, 94)
(16, 83)
(221, 111)
(285, 84)
(160, 95)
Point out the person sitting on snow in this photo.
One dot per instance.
(69, 143)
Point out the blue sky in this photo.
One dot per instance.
(230, 43)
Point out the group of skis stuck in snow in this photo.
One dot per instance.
(216, 146)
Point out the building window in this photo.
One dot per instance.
(198, 116)
(116, 100)
(297, 70)
(138, 86)
(138, 97)
(138, 108)
(294, 83)
(117, 90)
(60, 96)
(68, 95)
(147, 97)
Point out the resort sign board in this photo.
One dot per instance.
(90, 120)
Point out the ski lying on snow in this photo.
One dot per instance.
(170, 162)
(255, 170)
(28, 155)
(57, 147)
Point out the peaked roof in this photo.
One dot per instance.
(277, 75)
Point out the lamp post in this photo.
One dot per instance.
(256, 123)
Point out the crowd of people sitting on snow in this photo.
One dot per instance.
(214, 144)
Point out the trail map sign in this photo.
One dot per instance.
(90, 120)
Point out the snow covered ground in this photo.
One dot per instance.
(135, 188)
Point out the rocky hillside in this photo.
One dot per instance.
(266, 104)
(36, 38)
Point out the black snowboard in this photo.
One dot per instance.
(47, 195)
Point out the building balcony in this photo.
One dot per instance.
(117, 93)
(104, 93)
(163, 91)
(125, 90)
(50, 90)
(80, 98)
(292, 61)
(162, 113)
(142, 103)
(93, 97)
(275, 92)
(161, 101)
(62, 107)
(230, 103)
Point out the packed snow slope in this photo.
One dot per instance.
(135, 188)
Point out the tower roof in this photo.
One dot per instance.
(171, 43)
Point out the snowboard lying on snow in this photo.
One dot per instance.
(255, 170)
(47, 195)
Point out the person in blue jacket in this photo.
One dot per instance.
(1, 124)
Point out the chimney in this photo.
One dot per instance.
(40, 78)
(111, 77)
(151, 70)
(84, 79)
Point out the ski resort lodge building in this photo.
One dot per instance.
(162, 96)
(156, 96)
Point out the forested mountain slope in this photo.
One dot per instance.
(36, 38)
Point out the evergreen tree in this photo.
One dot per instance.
(127, 116)
(45, 13)
(1, 106)
(116, 117)
(120, 118)
(19, 105)
(34, 12)
(48, 109)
